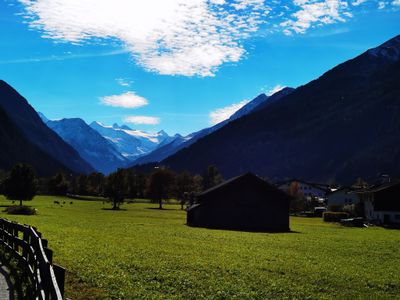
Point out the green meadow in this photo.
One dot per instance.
(141, 252)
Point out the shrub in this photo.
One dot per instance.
(331, 216)
(20, 210)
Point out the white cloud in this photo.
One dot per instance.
(381, 5)
(125, 82)
(314, 13)
(126, 100)
(145, 120)
(396, 3)
(221, 114)
(65, 56)
(175, 37)
(275, 89)
(358, 2)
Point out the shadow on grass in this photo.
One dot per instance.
(119, 209)
(246, 230)
(157, 208)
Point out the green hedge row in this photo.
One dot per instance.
(331, 216)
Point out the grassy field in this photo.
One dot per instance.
(145, 253)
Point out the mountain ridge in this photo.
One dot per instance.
(303, 134)
(28, 121)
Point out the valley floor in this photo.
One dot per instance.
(146, 253)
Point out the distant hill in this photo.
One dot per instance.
(340, 126)
(180, 142)
(23, 116)
(91, 146)
(15, 147)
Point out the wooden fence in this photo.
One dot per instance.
(34, 259)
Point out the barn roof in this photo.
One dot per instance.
(239, 183)
(233, 180)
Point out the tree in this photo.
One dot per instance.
(132, 183)
(160, 183)
(21, 184)
(211, 177)
(95, 184)
(115, 188)
(58, 184)
(81, 182)
(3, 176)
(183, 186)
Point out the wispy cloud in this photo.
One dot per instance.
(176, 37)
(381, 4)
(358, 2)
(221, 114)
(125, 82)
(313, 13)
(66, 56)
(125, 100)
(144, 120)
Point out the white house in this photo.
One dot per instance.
(382, 203)
(307, 189)
(342, 197)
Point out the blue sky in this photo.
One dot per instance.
(177, 65)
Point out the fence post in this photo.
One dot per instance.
(59, 272)
(49, 254)
(48, 279)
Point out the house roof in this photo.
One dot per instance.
(378, 188)
(321, 186)
(230, 181)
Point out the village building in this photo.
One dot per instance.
(341, 198)
(307, 189)
(246, 202)
(382, 203)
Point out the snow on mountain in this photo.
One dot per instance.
(90, 145)
(131, 143)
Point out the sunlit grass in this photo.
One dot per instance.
(142, 252)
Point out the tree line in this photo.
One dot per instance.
(160, 184)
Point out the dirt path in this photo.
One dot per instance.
(5, 285)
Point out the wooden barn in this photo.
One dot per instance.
(246, 202)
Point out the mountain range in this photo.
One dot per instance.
(338, 127)
(90, 145)
(343, 125)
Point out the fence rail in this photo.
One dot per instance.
(34, 258)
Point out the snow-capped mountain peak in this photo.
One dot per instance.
(131, 143)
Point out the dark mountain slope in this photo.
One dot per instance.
(343, 125)
(29, 122)
(15, 148)
(179, 143)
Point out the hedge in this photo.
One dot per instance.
(331, 216)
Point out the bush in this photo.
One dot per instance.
(20, 210)
(331, 216)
